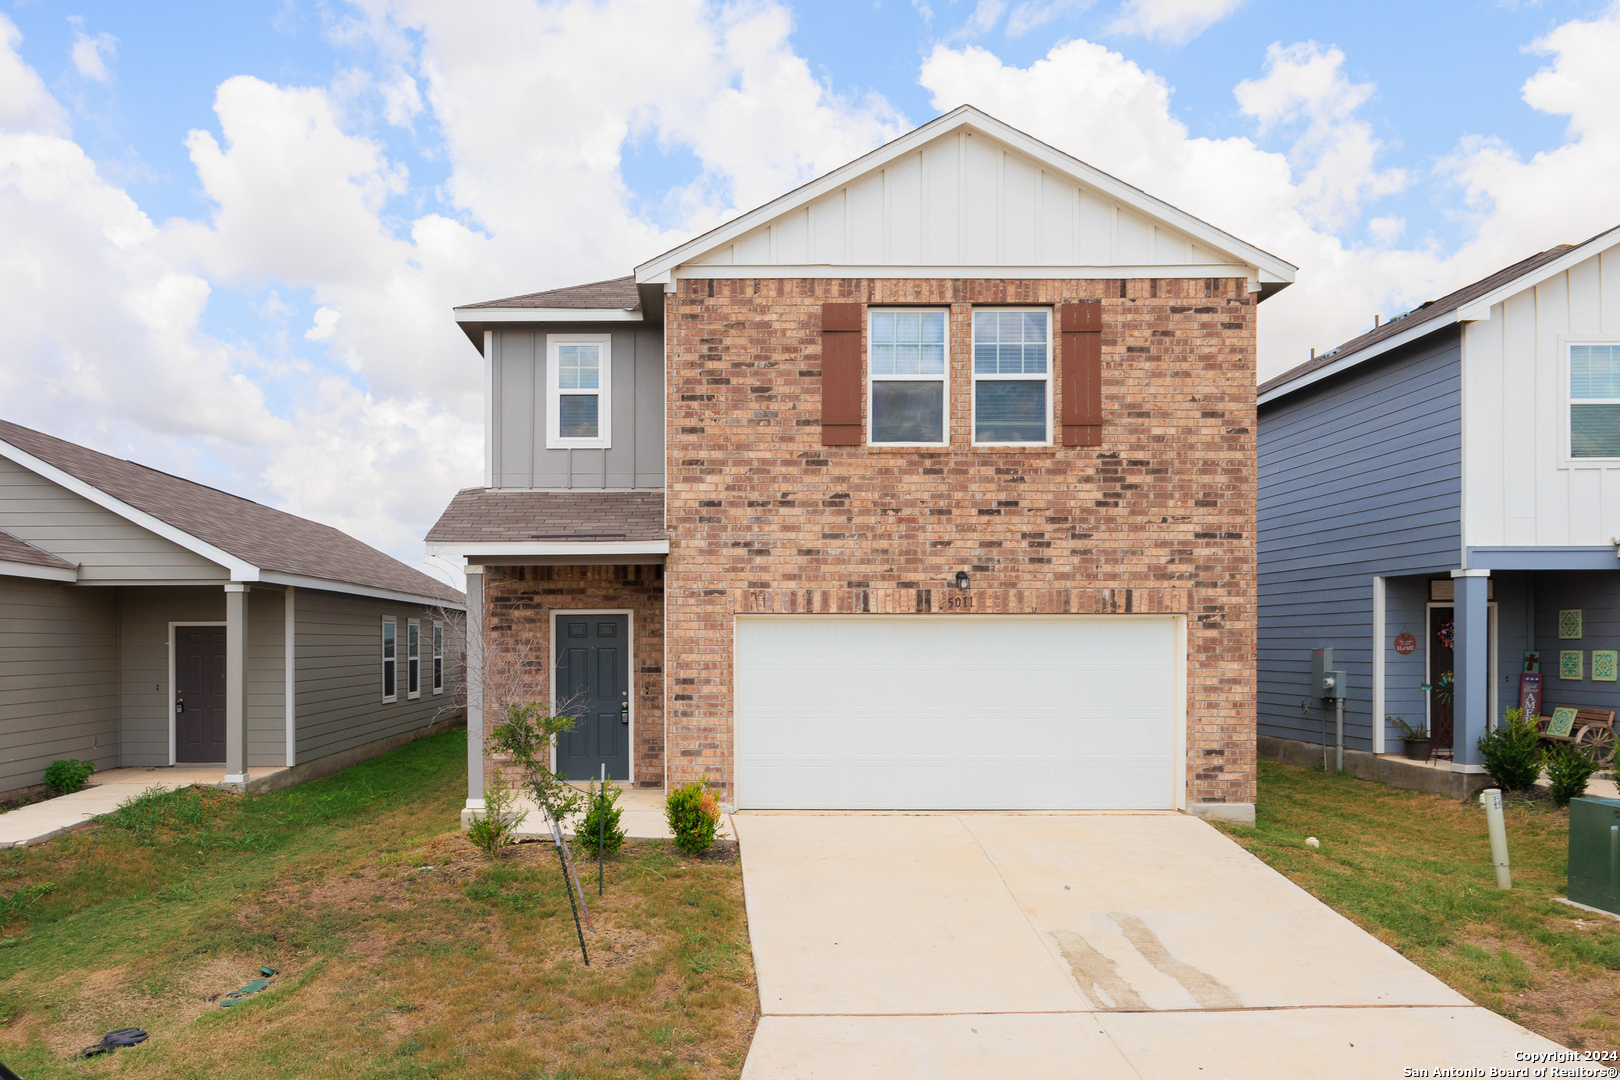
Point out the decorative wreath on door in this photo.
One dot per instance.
(1447, 634)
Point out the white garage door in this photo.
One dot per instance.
(957, 712)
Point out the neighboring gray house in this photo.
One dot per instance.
(1441, 496)
(147, 620)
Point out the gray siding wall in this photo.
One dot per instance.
(58, 678)
(1358, 477)
(107, 547)
(636, 458)
(339, 663)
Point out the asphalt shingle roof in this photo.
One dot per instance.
(1426, 312)
(13, 550)
(483, 515)
(269, 539)
(619, 292)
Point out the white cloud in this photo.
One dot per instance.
(90, 54)
(1033, 14)
(1335, 153)
(1173, 21)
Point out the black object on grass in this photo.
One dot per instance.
(110, 1042)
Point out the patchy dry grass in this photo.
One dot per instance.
(1415, 870)
(402, 951)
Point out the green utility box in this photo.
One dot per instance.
(1594, 853)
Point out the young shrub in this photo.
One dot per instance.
(66, 777)
(1512, 753)
(601, 820)
(492, 831)
(1569, 768)
(528, 733)
(693, 812)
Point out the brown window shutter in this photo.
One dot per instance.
(841, 375)
(1082, 372)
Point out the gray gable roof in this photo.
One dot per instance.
(619, 292)
(268, 539)
(483, 515)
(1428, 311)
(13, 550)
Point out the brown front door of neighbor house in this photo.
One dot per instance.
(199, 693)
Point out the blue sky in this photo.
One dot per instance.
(277, 287)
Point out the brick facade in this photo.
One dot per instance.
(518, 604)
(1160, 518)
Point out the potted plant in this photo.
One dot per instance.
(1418, 742)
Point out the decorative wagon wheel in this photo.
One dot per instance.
(1599, 742)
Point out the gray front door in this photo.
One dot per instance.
(593, 686)
(199, 693)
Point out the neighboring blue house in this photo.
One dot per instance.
(1452, 475)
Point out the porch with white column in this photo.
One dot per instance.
(1472, 658)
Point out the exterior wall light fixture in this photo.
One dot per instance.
(962, 580)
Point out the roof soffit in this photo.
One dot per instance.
(966, 190)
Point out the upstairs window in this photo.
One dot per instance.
(1012, 376)
(390, 659)
(578, 397)
(907, 362)
(1594, 401)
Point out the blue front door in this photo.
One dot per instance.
(593, 687)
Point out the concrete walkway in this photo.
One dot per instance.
(38, 822)
(1073, 945)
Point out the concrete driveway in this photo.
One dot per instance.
(1073, 945)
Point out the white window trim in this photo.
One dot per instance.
(387, 660)
(437, 661)
(1566, 446)
(974, 376)
(604, 393)
(944, 378)
(413, 659)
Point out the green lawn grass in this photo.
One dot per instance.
(402, 952)
(1415, 870)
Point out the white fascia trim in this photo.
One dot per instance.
(301, 582)
(531, 315)
(1480, 310)
(659, 269)
(701, 271)
(33, 570)
(240, 569)
(1350, 360)
(474, 549)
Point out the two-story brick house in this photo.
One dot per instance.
(930, 484)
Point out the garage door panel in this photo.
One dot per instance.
(953, 712)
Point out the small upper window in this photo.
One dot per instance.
(413, 659)
(390, 659)
(438, 658)
(907, 362)
(1012, 376)
(1594, 401)
(577, 391)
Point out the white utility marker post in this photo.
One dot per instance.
(1491, 799)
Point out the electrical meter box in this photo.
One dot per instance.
(1325, 682)
(1594, 853)
(1334, 685)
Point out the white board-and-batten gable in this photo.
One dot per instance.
(968, 196)
(1522, 486)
